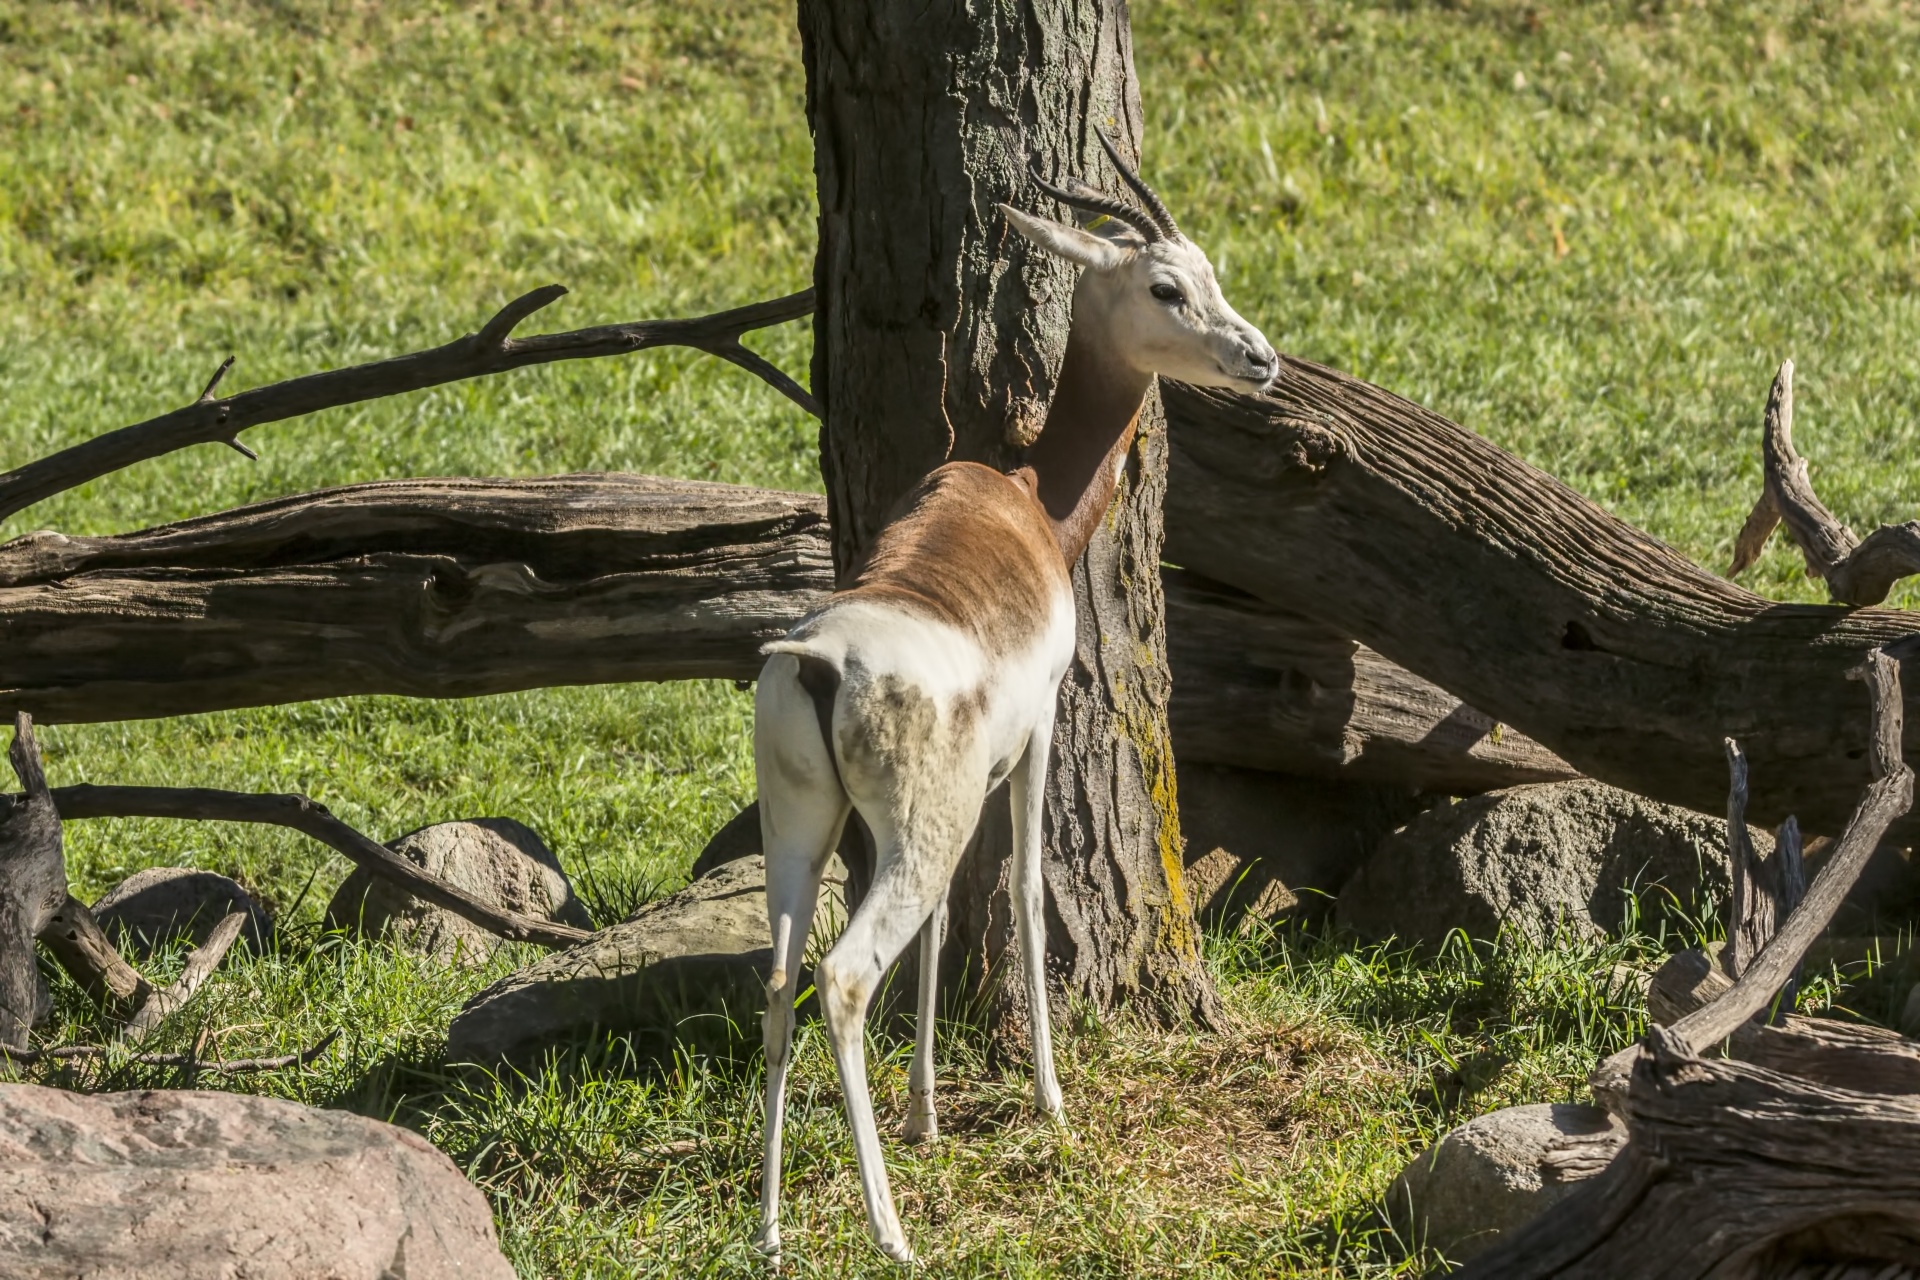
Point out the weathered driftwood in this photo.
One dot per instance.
(33, 885)
(81, 946)
(1764, 891)
(1856, 571)
(1482, 574)
(492, 350)
(456, 587)
(1890, 796)
(1263, 687)
(1843, 1054)
(170, 999)
(436, 588)
(1732, 1169)
(312, 819)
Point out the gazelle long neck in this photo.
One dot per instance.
(1075, 464)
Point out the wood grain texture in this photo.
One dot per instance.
(434, 588)
(1488, 577)
(211, 613)
(1262, 687)
(1889, 796)
(1733, 1170)
(33, 886)
(76, 940)
(1856, 571)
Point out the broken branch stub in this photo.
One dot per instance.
(33, 886)
(1801, 1168)
(83, 949)
(491, 350)
(1856, 571)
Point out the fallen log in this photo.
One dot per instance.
(449, 588)
(1262, 687)
(1387, 523)
(435, 588)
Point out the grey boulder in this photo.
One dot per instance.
(702, 953)
(1498, 1172)
(153, 908)
(497, 860)
(176, 1185)
(1558, 855)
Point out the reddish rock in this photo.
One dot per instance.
(173, 1185)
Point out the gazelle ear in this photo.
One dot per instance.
(1096, 253)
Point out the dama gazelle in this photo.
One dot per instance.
(931, 676)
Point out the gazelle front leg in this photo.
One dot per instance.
(921, 1125)
(1027, 788)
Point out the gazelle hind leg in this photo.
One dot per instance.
(921, 1125)
(802, 809)
(1027, 789)
(906, 886)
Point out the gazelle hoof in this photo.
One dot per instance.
(900, 1251)
(767, 1241)
(920, 1127)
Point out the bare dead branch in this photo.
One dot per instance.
(232, 1066)
(492, 350)
(312, 819)
(199, 967)
(1856, 572)
(83, 949)
(1750, 921)
(1890, 796)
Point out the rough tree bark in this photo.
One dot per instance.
(455, 587)
(33, 886)
(1390, 524)
(1737, 1170)
(437, 588)
(936, 338)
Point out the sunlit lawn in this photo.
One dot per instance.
(1589, 233)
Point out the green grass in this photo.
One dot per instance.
(1588, 232)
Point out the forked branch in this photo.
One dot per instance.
(199, 967)
(312, 819)
(1889, 796)
(492, 350)
(1856, 572)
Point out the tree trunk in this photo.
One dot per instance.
(937, 338)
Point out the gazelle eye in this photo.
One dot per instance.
(1167, 293)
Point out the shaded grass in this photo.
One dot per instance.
(1260, 1149)
(1589, 233)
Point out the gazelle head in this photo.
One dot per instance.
(1148, 293)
